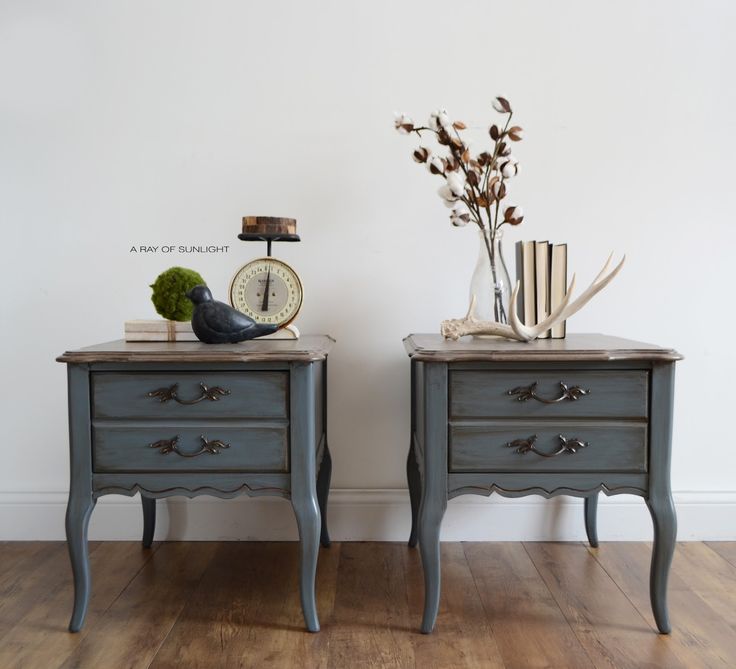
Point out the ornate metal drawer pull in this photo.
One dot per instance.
(570, 446)
(524, 393)
(165, 394)
(166, 446)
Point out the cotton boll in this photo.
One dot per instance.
(459, 217)
(456, 183)
(435, 165)
(403, 123)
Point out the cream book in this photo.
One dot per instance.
(541, 273)
(162, 330)
(526, 305)
(558, 286)
(159, 330)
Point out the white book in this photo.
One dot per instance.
(162, 330)
(541, 273)
(558, 286)
(526, 306)
(159, 330)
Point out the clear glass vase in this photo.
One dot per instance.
(491, 284)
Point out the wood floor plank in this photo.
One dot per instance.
(40, 638)
(608, 625)
(726, 549)
(22, 588)
(371, 625)
(246, 612)
(710, 576)
(700, 637)
(134, 627)
(462, 636)
(237, 605)
(21, 555)
(526, 622)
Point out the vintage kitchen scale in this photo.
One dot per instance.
(268, 289)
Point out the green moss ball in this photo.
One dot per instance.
(170, 293)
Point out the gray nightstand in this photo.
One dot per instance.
(191, 419)
(574, 416)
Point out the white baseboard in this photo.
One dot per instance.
(369, 515)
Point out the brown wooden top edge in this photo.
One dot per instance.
(595, 348)
(269, 225)
(309, 348)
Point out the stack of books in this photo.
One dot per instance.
(541, 269)
(159, 330)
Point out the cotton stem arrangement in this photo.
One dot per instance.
(475, 185)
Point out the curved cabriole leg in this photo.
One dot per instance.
(149, 520)
(659, 495)
(412, 466)
(434, 487)
(78, 512)
(308, 520)
(430, 521)
(415, 492)
(664, 520)
(323, 491)
(303, 484)
(591, 519)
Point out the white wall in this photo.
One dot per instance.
(128, 123)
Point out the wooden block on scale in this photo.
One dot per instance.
(268, 225)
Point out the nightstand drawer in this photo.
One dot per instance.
(562, 393)
(562, 447)
(190, 395)
(175, 448)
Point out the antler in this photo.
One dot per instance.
(456, 328)
(565, 309)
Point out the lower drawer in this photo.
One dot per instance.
(191, 449)
(561, 447)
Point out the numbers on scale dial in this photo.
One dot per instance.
(267, 290)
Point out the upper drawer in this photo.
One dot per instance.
(189, 395)
(560, 393)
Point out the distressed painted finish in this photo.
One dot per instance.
(611, 446)
(245, 447)
(257, 395)
(308, 348)
(459, 433)
(81, 500)
(277, 440)
(485, 394)
(149, 520)
(591, 519)
(575, 347)
(434, 487)
(659, 499)
(303, 489)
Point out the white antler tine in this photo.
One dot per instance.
(598, 285)
(455, 328)
(533, 331)
(605, 268)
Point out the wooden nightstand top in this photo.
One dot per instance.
(308, 348)
(581, 347)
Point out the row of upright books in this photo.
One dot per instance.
(541, 269)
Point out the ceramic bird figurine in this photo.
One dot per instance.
(218, 323)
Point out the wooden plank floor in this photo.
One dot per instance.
(224, 605)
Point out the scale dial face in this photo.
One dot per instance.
(267, 290)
